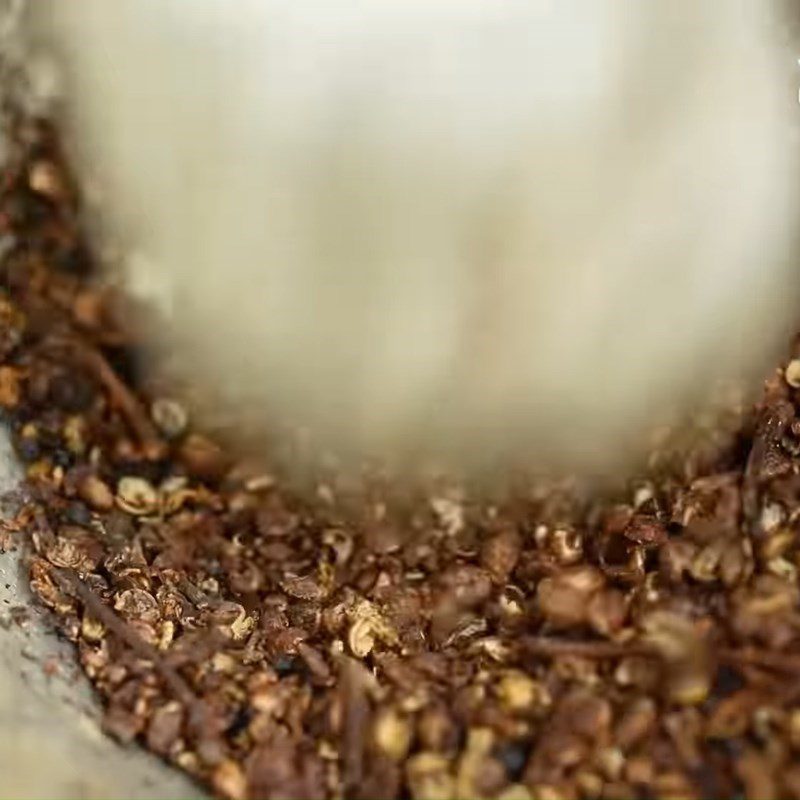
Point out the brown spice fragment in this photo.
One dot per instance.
(606, 611)
(757, 775)
(203, 458)
(436, 729)
(121, 398)
(466, 586)
(304, 587)
(685, 653)
(122, 724)
(229, 781)
(96, 492)
(637, 722)
(564, 598)
(10, 391)
(72, 584)
(356, 713)
(282, 768)
(767, 460)
(164, 728)
(12, 326)
(313, 659)
(500, 553)
(645, 530)
(73, 547)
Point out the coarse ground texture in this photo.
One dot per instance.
(373, 640)
(52, 746)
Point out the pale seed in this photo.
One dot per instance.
(136, 496)
(429, 777)
(516, 791)
(792, 373)
(92, 630)
(360, 639)
(169, 416)
(519, 692)
(368, 626)
(75, 435)
(392, 734)
(45, 178)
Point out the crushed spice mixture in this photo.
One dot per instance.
(373, 641)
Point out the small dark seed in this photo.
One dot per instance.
(71, 392)
(513, 756)
(125, 363)
(75, 260)
(727, 681)
(285, 665)
(78, 514)
(62, 458)
(28, 448)
(240, 722)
